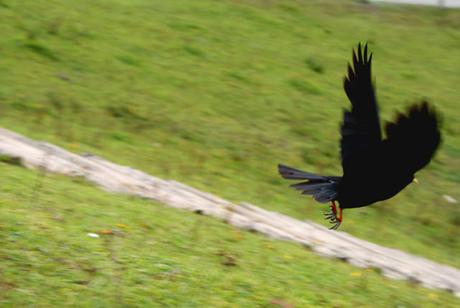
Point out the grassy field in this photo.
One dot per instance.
(149, 255)
(216, 93)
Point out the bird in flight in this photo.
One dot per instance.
(374, 169)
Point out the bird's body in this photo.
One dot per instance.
(378, 179)
(374, 169)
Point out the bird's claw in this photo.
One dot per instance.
(332, 217)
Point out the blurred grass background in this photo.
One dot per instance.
(214, 94)
(149, 255)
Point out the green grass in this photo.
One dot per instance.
(216, 93)
(158, 256)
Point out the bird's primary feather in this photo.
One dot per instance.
(360, 127)
(413, 138)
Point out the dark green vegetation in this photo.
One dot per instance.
(216, 93)
(149, 255)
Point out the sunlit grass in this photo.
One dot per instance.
(216, 93)
(146, 254)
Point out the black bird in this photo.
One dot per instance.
(374, 169)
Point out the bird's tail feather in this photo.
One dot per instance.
(322, 188)
(296, 174)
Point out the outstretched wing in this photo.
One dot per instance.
(360, 128)
(413, 138)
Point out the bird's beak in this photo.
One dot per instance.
(415, 181)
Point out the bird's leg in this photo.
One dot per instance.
(332, 216)
(339, 218)
(334, 208)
